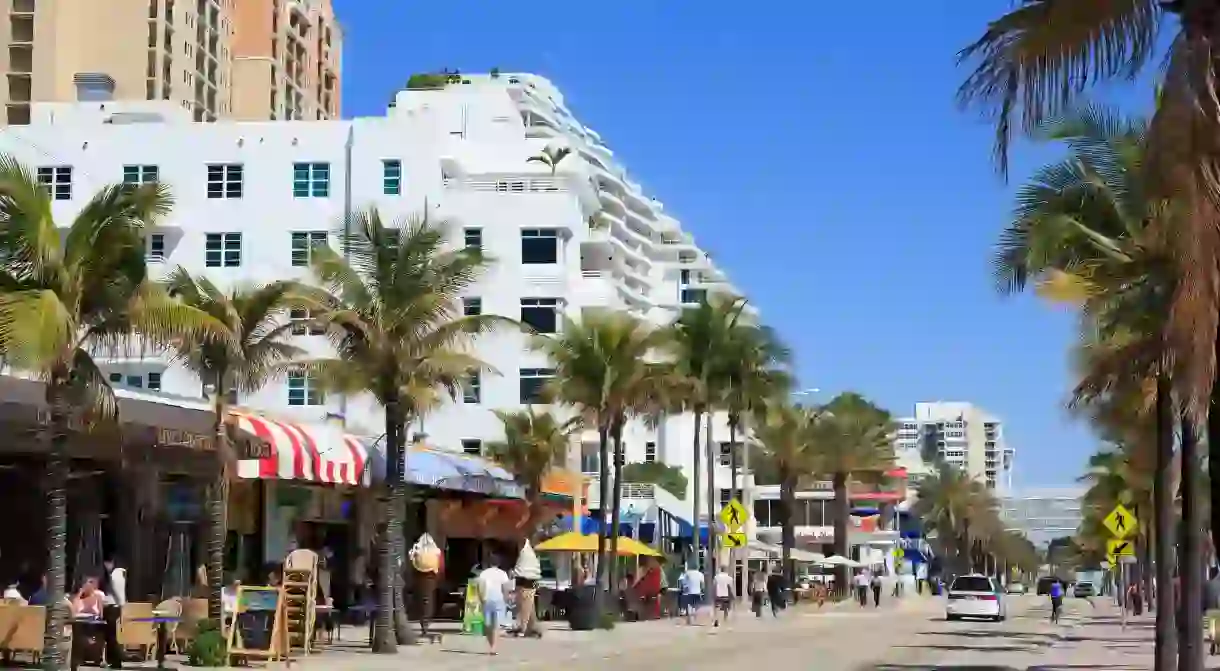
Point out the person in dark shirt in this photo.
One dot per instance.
(776, 589)
(39, 597)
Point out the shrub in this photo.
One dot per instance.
(607, 620)
(427, 81)
(209, 648)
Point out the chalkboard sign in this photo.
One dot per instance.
(256, 624)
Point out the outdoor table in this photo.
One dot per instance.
(162, 620)
(81, 624)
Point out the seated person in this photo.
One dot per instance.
(88, 600)
(12, 594)
(39, 597)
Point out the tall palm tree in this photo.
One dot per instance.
(700, 345)
(256, 322)
(534, 443)
(603, 370)
(854, 438)
(392, 311)
(783, 433)
(66, 297)
(950, 503)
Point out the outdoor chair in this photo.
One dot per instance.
(193, 612)
(140, 636)
(172, 607)
(21, 630)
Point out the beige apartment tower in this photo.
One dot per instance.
(185, 51)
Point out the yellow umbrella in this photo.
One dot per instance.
(574, 541)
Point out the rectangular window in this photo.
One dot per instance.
(303, 243)
(694, 296)
(726, 453)
(650, 452)
(473, 392)
(473, 238)
(391, 177)
(140, 174)
(539, 246)
(533, 382)
(310, 180)
(225, 180)
(116, 377)
(472, 307)
(57, 180)
(725, 495)
(472, 446)
(222, 250)
(154, 381)
(156, 247)
(540, 314)
(135, 381)
(303, 323)
(684, 276)
(302, 390)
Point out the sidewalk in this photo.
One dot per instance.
(1101, 641)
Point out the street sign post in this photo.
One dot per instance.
(1121, 523)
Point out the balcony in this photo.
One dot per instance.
(507, 184)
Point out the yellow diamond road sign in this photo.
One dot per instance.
(1118, 547)
(733, 517)
(1121, 522)
(734, 540)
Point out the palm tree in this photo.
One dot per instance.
(255, 320)
(392, 310)
(783, 434)
(854, 438)
(65, 297)
(603, 370)
(551, 157)
(534, 443)
(701, 344)
(949, 504)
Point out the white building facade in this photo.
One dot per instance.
(960, 434)
(251, 198)
(1043, 514)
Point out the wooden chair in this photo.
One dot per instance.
(139, 635)
(22, 629)
(193, 612)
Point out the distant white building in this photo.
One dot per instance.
(253, 197)
(1043, 514)
(961, 434)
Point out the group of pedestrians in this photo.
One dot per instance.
(765, 587)
(864, 580)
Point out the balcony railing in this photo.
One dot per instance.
(508, 184)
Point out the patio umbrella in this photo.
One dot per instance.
(836, 560)
(578, 542)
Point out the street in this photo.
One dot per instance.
(909, 635)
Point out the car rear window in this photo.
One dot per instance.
(971, 584)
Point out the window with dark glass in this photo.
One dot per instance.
(472, 392)
(539, 246)
(472, 307)
(540, 314)
(303, 243)
(222, 250)
(472, 446)
(533, 382)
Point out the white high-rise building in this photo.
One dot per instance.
(1043, 514)
(961, 434)
(252, 197)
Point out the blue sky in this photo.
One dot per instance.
(815, 150)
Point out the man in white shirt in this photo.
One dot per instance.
(861, 581)
(493, 585)
(723, 584)
(692, 592)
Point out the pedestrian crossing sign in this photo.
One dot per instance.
(734, 540)
(1117, 547)
(1120, 522)
(733, 516)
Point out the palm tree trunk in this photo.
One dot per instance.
(603, 488)
(617, 503)
(735, 494)
(842, 547)
(384, 638)
(217, 507)
(968, 546)
(712, 497)
(56, 436)
(399, 495)
(787, 499)
(1190, 647)
(1213, 449)
(696, 544)
(1162, 503)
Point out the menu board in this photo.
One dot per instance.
(255, 630)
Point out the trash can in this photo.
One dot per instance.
(582, 616)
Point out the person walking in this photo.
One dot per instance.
(691, 583)
(1056, 594)
(876, 585)
(861, 582)
(492, 586)
(723, 591)
(758, 592)
(777, 587)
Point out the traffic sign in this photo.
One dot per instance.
(899, 553)
(1121, 522)
(733, 517)
(734, 540)
(1117, 548)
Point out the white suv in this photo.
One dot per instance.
(975, 595)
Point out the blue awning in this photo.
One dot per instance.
(685, 528)
(454, 471)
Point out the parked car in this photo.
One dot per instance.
(975, 595)
(1084, 589)
(1015, 588)
(1044, 585)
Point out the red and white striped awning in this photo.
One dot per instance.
(303, 452)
